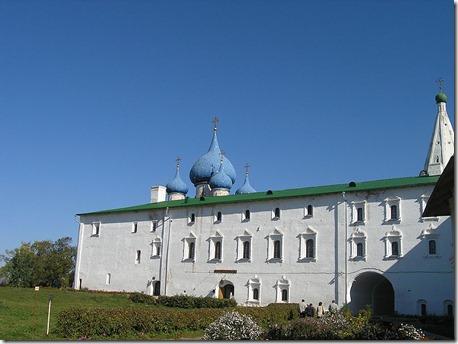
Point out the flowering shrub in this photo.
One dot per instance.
(407, 331)
(233, 326)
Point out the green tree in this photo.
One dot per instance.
(45, 263)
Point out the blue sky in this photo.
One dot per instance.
(97, 98)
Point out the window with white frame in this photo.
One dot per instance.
(189, 248)
(358, 212)
(430, 238)
(448, 308)
(96, 228)
(138, 256)
(276, 214)
(282, 290)
(358, 241)
(134, 227)
(423, 201)
(154, 225)
(108, 279)
(246, 215)
(308, 211)
(156, 248)
(393, 210)
(254, 290)
(393, 244)
(191, 218)
(275, 246)
(218, 217)
(215, 249)
(308, 244)
(422, 308)
(244, 247)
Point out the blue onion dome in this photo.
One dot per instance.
(203, 168)
(177, 184)
(220, 180)
(246, 187)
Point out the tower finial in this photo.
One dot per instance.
(215, 122)
(178, 161)
(440, 82)
(247, 168)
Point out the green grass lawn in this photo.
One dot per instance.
(24, 311)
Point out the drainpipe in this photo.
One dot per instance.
(168, 246)
(346, 246)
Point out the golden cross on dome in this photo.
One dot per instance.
(215, 122)
(440, 82)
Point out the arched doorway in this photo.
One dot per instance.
(373, 289)
(226, 290)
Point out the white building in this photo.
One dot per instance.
(358, 243)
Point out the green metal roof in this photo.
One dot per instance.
(266, 195)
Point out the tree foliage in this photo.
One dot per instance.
(43, 263)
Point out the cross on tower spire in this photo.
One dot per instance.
(215, 122)
(440, 82)
(247, 167)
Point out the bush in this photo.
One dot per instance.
(142, 298)
(100, 322)
(233, 326)
(183, 301)
(410, 332)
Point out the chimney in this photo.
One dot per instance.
(158, 194)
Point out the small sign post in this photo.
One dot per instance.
(49, 314)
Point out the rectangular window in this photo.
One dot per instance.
(394, 212)
(247, 215)
(191, 218)
(134, 227)
(395, 248)
(153, 225)
(96, 228)
(218, 217)
(108, 280)
(360, 216)
(157, 288)
(277, 249)
(138, 256)
(276, 214)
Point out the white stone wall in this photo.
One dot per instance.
(330, 276)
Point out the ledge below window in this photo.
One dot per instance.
(214, 261)
(392, 257)
(243, 260)
(188, 260)
(274, 260)
(358, 259)
(94, 235)
(306, 260)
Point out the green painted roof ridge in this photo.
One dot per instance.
(285, 193)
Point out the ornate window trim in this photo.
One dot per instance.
(282, 284)
(271, 238)
(246, 236)
(423, 200)
(309, 233)
(395, 235)
(354, 212)
(358, 237)
(191, 238)
(253, 283)
(388, 202)
(212, 240)
(428, 234)
(156, 246)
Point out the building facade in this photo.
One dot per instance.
(357, 243)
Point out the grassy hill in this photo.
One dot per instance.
(24, 311)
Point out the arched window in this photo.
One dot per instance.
(423, 309)
(309, 246)
(394, 248)
(218, 250)
(247, 215)
(359, 249)
(277, 249)
(192, 218)
(450, 311)
(284, 295)
(394, 212)
(255, 294)
(191, 250)
(309, 210)
(432, 247)
(246, 250)
(277, 213)
(219, 217)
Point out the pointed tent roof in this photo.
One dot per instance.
(442, 143)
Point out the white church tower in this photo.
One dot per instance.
(442, 143)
